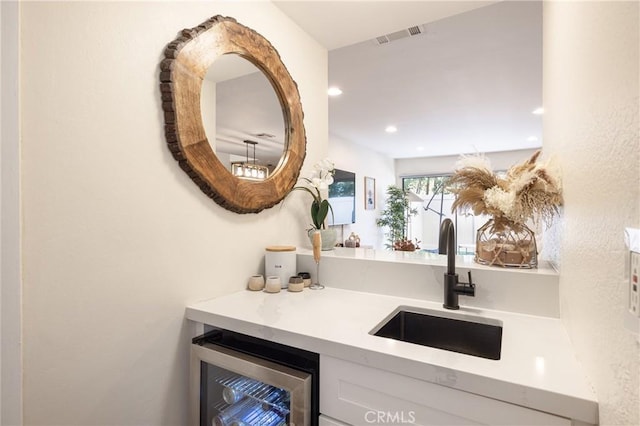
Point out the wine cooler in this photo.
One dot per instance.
(240, 380)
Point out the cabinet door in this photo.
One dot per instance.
(328, 421)
(357, 394)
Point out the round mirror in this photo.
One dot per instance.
(240, 107)
(188, 60)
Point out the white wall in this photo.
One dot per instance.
(591, 125)
(117, 239)
(10, 268)
(364, 162)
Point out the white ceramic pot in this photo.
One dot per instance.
(256, 282)
(329, 237)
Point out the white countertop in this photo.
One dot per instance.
(537, 368)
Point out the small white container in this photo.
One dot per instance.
(280, 261)
(273, 284)
(256, 283)
(306, 278)
(296, 284)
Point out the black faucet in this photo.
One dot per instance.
(452, 288)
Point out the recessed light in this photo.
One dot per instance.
(420, 148)
(391, 129)
(532, 138)
(538, 111)
(334, 91)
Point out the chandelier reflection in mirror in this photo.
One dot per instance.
(250, 170)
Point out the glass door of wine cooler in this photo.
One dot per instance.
(233, 388)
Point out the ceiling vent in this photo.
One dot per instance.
(409, 32)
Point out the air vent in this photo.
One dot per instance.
(413, 31)
(382, 40)
(409, 32)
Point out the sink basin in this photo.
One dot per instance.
(471, 335)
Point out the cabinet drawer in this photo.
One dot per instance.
(357, 394)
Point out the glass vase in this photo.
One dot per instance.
(504, 243)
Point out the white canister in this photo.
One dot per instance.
(280, 261)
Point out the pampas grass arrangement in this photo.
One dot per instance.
(529, 191)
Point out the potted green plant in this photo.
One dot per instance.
(395, 217)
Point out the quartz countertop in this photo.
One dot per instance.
(537, 368)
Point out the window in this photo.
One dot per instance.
(425, 185)
(435, 206)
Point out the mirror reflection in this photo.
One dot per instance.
(242, 117)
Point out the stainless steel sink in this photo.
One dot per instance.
(471, 335)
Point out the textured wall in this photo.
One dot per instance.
(591, 125)
(117, 239)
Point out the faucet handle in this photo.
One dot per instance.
(471, 290)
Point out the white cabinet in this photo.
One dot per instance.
(328, 421)
(360, 395)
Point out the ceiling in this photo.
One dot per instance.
(469, 82)
(341, 23)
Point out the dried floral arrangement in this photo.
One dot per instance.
(528, 191)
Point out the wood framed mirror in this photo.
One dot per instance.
(187, 60)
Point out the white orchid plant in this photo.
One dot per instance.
(317, 185)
